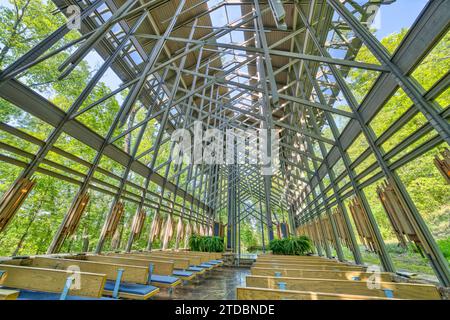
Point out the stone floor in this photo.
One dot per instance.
(219, 284)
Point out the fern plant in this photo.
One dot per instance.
(291, 246)
(194, 243)
(206, 244)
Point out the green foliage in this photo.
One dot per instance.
(277, 246)
(25, 23)
(291, 246)
(444, 244)
(206, 244)
(248, 237)
(422, 180)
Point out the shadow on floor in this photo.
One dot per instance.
(219, 284)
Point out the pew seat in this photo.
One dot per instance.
(39, 295)
(131, 290)
(8, 294)
(206, 266)
(184, 275)
(197, 269)
(215, 263)
(165, 281)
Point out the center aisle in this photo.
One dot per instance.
(220, 284)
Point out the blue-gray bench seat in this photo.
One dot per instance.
(39, 295)
(132, 290)
(197, 269)
(164, 281)
(206, 265)
(216, 261)
(184, 274)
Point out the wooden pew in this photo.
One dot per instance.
(132, 274)
(250, 293)
(205, 256)
(209, 255)
(299, 261)
(205, 259)
(194, 261)
(160, 267)
(135, 276)
(321, 274)
(168, 254)
(161, 274)
(3, 275)
(178, 263)
(52, 281)
(281, 256)
(179, 268)
(386, 289)
(308, 266)
(6, 294)
(214, 255)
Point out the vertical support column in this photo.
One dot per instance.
(266, 110)
(230, 201)
(440, 264)
(382, 251)
(355, 248)
(262, 220)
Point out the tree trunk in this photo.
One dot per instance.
(117, 238)
(24, 235)
(32, 215)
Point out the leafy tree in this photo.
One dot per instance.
(22, 25)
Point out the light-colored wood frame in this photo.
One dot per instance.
(321, 274)
(399, 290)
(250, 293)
(51, 280)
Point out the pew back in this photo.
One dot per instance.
(51, 280)
(161, 267)
(399, 290)
(280, 265)
(179, 263)
(304, 260)
(250, 293)
(132, 273)
(322, 274)
(192, 260)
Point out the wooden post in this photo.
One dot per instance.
(13, 199)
